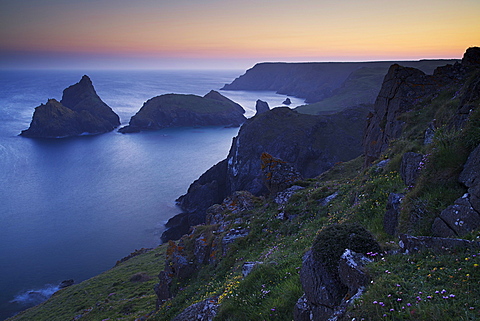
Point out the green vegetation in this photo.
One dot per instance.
(124, 292)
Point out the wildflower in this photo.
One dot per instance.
(399, 300)
(374, 302)
(381, 303)
(443, 291)
(452, 295)
(391, 310)
(409, 304)
(429, 297)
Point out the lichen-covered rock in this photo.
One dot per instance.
(177, 110)
(413, 244)
(81, 111)
(277, 174)
(284, 196)
(205, 310)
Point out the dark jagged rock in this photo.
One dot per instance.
(178, 110)
(413, 244)
(287, 102)
(464, 215)
(312, 144)
(261, 107)
(80, 111)
(410, 167)
(390, 219)
(402, 88)
(66, 284)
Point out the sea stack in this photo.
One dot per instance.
(81, 111)
(179, 110)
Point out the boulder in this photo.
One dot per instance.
(261, 107)
(178, 110)
(81, 111)
(205, 310)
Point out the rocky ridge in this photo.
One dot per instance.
(81, 111)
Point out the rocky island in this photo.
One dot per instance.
(81, 111)
(178, 110)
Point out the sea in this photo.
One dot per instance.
(70, 208)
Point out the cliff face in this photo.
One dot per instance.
(176, 110)
(80, 111)
(318, 81)
(310, 144)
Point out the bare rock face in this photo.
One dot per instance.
(205, 310)
(413, 244)
(81, 111)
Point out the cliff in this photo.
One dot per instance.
(80, 111)
(177, 110)
(311, 144)
(333, 85)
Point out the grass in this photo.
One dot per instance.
(124, 292)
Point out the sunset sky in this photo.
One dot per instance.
(232, 34)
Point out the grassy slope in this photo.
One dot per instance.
(424, 286)
(121, 293)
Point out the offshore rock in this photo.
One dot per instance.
(81, 111)
(287, 102)
(261, 107)
(178, 110)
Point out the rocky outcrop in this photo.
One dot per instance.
(309, 144)
(464, 215)
(287, 102)
(178, 110)
(261, 107)
(205, 310)
(278, 175)
(81, 111)
(404, 88)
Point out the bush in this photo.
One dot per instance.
(331, 242)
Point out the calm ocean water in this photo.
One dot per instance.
(70, 208)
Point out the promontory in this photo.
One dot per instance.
(81, 111)
(179, 110)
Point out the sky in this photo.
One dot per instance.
(230, 34)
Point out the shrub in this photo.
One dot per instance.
(331, 242)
